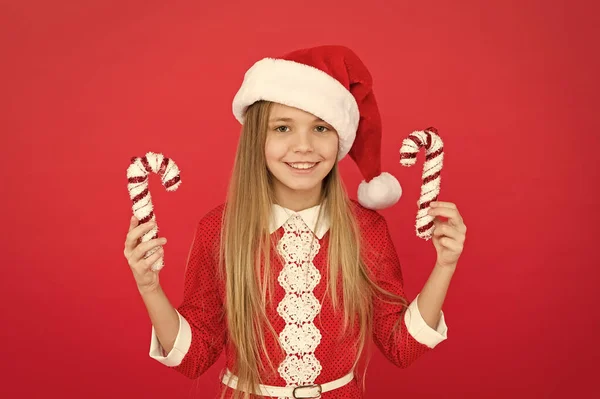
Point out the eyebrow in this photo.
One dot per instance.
(291, 120)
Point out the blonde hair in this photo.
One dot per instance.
(246, 244)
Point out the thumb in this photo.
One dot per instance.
(133, 222)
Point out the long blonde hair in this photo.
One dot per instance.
(246, 244)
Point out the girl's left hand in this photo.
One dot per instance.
(449, 236)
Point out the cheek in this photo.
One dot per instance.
(274, 150)
(330, 147)
(271, 149)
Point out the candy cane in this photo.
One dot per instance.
(432, 168)
(137, 184)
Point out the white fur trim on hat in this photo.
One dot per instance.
(301, 86)
(381, 192)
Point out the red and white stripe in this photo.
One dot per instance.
(137, 183)
(430, 189)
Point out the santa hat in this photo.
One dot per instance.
(332, 83)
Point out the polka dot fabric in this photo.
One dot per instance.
(203, 308)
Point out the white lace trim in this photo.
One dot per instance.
(299, 306)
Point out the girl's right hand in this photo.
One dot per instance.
(146, 279)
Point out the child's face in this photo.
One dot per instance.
(300, 150)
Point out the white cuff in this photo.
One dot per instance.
(180, 348)
(418, 328)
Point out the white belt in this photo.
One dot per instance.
(303, 391)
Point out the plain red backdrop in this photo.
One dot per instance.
(511, 86)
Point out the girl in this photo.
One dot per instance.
(289, 277)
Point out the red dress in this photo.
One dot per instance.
(315, 351)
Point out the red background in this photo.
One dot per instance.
(511, 86)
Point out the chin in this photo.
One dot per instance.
(304, 187)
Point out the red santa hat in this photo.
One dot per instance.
(332, 83)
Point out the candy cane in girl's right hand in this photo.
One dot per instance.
(137, 184)
(432, 168)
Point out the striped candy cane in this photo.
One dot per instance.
(137, 184)
(430, 188)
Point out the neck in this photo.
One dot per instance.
(297, 200)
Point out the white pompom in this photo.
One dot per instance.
(381, 192)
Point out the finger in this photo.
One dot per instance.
(443, 204)
(442, 229)
(134, 235)
(451, 244)
(133, 222)
(141, 250)
(452, 214)
(149, 261)
(145, 264)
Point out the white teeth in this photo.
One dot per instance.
(302, 165)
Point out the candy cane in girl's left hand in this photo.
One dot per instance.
(432, 168)
(137, 184)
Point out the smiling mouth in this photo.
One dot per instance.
(302, 165)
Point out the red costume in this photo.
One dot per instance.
(308, 328)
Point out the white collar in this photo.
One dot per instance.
(280, 215)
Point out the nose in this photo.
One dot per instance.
(303, 142)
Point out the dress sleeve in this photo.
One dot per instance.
(401, 334)
(202, 331)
